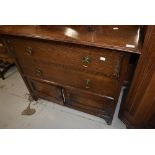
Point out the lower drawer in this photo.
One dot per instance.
(46, 91)
(65, 77)
(92, 104)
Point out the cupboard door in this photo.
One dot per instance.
(46, 91)
(92, 104)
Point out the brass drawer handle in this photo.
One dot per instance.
(38, 72)
(86, 61)
(1, 45)
(87, 83)
(28, 50)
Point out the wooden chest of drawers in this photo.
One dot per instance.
(80, 75)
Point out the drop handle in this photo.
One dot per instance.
(38, 72)
(1, 45)
(87, 83)
(29, 50)
(86, 60)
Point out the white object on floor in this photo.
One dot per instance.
(48, 115)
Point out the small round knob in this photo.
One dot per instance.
(28, 50)
(38, 72)
(86, 61)
(87, 83)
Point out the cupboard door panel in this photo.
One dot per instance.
(92, 104)
(47, 91)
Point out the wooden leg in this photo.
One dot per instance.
(35, 98)
(1, 75)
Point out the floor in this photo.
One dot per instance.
(14, 99)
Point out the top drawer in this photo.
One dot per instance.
(78, 57)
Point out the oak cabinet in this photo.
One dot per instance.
(82, 67)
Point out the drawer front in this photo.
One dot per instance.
(151, 122)
(78, 57)
(97, 84)
(95, 105)
(47, 91)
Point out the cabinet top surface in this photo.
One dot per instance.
(124, 38)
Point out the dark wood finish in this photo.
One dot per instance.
(138, 111)
(111, 37)
(2, 48)
(76, 57)
(82, 67)
(46, 91)
(100, 106)
(4, 54)
(66, 77)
